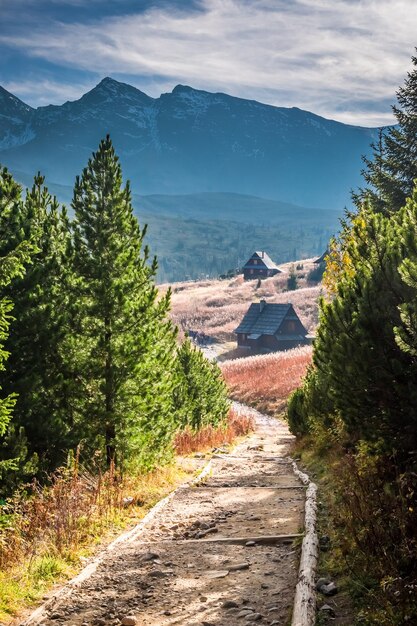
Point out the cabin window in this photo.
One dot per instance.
(255, 261)
(251, 271)
(291, 326)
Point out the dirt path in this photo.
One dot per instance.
(214, 555)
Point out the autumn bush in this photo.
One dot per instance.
(265, 381)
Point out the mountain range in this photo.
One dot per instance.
(189, 141)
(214, 176)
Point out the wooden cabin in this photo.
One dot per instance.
(260, 265)
(270, 327)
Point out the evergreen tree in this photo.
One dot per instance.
(369, 378)
(391, 172)
(11, 267)
(406, 332)
(36, 370)
(361, 392)
(292, 280)
(122, 341)
(201, 396)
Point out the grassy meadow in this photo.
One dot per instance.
(215, 307)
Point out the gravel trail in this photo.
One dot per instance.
(221, 553)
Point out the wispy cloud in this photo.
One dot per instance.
(339, 58)
(45, 92)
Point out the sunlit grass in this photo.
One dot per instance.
(51, 532)
(266, 381)
(238, 424)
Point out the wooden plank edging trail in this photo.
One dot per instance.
(304, 611)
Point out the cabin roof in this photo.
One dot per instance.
(263, 318)
(321, 258)
(264, 257)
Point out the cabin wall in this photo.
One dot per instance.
(243, 341)
(292, 326)
(251, 273)
(289, 344)
(269, 342)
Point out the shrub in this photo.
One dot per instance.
(298, 420)
(316, 274)
(292, 281)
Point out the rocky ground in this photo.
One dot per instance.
(223, 552)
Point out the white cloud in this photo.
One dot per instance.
(339, 58)
(45, 92)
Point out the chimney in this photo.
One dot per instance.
(262, 304)
(263, 254)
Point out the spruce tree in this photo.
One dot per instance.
(361, 392)
(406, 332)
(391, 172)
(367, 374)
(124, 344)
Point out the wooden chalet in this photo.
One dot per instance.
(260, 265)
(270, 327)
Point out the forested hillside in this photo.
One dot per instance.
(204, 235)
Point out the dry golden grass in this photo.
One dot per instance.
(44, 537)
(215, 307)
(266, 381)
(238, 424)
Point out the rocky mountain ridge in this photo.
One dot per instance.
(189, 141)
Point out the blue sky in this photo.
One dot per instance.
(343, 59)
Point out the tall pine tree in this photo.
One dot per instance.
(122, 341)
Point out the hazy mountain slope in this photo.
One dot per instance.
(15, 121)
(199, 235)
(232, 206)
(191, 141)
(191, 249)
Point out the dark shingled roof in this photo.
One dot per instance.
(264, 257)
(321, 258)
(265, 322)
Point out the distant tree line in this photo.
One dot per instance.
(358, 402)
(89, 357)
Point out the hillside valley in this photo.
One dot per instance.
(213, 176)
(214, 308)
(203, 235)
